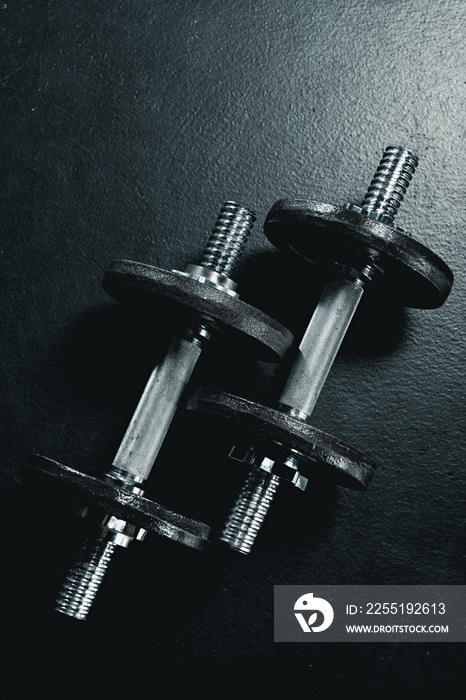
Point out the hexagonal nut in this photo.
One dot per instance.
(115, 529)
(286, 471)
(285, 468)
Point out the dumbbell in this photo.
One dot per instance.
(360, 248)
(205, 301)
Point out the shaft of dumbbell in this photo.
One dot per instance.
(157, 406)
(321, 341)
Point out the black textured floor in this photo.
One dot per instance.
(125, 126)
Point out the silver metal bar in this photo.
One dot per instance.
(321, 342)
(156, 408)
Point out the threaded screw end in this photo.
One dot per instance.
(83, 581)
(248, 513)
(390, 183)
(228, 238)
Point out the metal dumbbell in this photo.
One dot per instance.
(205, 300)
(361, 247)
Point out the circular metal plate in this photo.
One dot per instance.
(138, 510)
(346, 466)
(126, 280)
(323, 233)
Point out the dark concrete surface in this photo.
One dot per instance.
(125, 125)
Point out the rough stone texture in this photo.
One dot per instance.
(125, 126)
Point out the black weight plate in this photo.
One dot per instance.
(139, 283)
(346, 466)
(323, 233)
(137, 510)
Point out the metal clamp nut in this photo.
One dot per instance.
(287, 469)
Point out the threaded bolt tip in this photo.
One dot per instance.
(228, 238)
(248, 513)
(390, 182)
(402, 151)
(83, 580)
